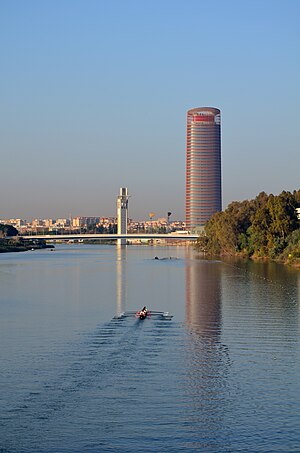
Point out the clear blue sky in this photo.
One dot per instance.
(94, 94)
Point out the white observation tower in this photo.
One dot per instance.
(122, 213)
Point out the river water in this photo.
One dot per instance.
(222, 376)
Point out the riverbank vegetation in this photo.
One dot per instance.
(264, 228)
(10, 242)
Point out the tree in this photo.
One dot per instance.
(296, 195)
(257, 232)
(283, 220)
(259, 227)
(8, 231)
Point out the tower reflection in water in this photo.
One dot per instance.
(203, 296)
(207, 359)
(121, 286)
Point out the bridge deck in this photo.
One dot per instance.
(68, 237)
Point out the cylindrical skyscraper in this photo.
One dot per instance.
(203, 165)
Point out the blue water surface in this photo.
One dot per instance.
(222, 376)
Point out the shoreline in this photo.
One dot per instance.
(23, 248)
(256, 259)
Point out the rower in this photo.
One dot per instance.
(143, 313)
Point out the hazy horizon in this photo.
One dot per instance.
(94, 97)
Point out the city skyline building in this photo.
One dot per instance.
(203, 165)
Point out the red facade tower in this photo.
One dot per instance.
(203, 166)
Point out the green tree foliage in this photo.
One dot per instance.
(296, 195)
(7, 230)
(259, 227)
(291, 253)
(283, 221)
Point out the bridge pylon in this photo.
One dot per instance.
(122, 214)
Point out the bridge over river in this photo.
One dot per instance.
(105, 237)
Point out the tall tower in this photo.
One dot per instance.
(122, 213)
(203, 165)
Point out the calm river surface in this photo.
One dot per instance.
(222, 376)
